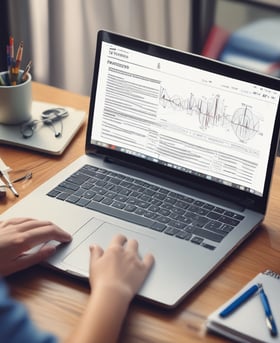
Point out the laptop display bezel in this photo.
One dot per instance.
(237, 196)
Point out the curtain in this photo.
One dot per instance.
(60, 35)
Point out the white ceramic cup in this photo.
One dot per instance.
(15, 101)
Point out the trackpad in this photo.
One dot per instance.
(78, 259)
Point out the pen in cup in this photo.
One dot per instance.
(16, 65)
(26, 71)
(19, 55)
(2, 81)
(13, 65)
(8, 60)
(11, 47)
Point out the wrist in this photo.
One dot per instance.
(114, 290)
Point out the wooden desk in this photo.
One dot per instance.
(56, 302)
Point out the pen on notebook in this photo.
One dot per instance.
(270, 322)
(239, 301)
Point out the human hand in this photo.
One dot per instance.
(119, 268)
(18, 235)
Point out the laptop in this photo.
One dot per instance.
(179, 155)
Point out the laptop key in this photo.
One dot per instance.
(226, 228)
(163, 219)
(158, 226)
(149, 214)
(213, 225)
(130, 208)
(238, 216)
(183, 234)
(140, 211)
(72, 199)
(209, 207)
(78, 178)
(107, 201)
(177, 224)
(86, 185)
(69, 185)
(197, 240)
(99, 190)
(89, 194)
(53, 193)
(219, 210)
(118, 204)
(98, 197)
(230, 221)
(208, 235)
(198, 203)
(188, 236)
(213, 215)
(82, 202)
(171, 231)
(208, 246)
(121, 198)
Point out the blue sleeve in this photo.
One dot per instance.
(16, 326)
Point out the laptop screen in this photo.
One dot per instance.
(177, 115)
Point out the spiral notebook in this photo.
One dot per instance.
(248, 322)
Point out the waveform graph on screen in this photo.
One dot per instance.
(245, 124)
(213, 111)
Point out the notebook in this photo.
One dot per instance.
(248, 322)
(44, 139)
(179, 155)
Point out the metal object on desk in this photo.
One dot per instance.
(49, 117)
(9, 184)
(6, 182)
(2, 189)
(4, 169)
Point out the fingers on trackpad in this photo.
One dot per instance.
(103, 236)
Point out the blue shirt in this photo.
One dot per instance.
(15, 323)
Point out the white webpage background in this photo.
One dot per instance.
(184, 116)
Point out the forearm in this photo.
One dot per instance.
(102, 319)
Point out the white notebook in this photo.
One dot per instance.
(248, 322)
(43, 139)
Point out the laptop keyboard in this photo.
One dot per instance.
(147, 204)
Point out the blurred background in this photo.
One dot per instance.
(59, 36)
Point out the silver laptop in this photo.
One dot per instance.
(179, 155)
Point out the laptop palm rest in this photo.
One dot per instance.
(74, 259)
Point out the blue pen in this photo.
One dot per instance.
(240, 300)
(270, 322)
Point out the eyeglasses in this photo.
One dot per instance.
(49, 117)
